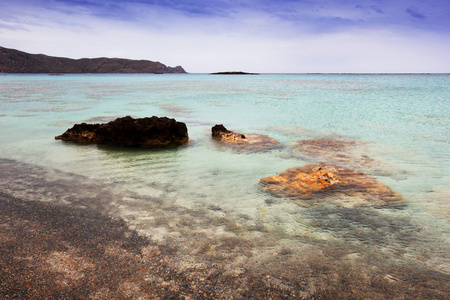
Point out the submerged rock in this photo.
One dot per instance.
(314, 146)
(333, 150)
(343, 152)
(241, 141)
(331, 183)
(126, 131)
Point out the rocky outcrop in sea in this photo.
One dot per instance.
(243, 141)
(332, 183)
(127, 131)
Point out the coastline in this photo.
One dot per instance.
(59, 241)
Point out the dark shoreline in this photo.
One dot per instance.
(57, 241)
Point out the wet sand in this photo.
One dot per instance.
(57, 241)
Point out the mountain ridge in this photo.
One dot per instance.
(16, 61)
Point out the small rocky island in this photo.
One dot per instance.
(233, 73)
(154, 132)
(15, 61)
(241, 141)
(337, 184)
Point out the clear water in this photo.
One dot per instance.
(207, 192)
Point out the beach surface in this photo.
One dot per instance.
(57, 241)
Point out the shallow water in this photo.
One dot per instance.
(202, 195)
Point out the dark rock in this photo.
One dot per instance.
(241, 141)
(126, 131)
(221, 133)
(14, 61)
(333, 183)
(233, 73)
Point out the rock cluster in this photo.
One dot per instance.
(331, 182)
(127, 131)
(241, 141)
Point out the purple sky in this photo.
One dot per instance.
(284, 36)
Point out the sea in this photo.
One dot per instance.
(206, 199)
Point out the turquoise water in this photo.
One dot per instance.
(205, 191)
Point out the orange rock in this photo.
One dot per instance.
(327, 181)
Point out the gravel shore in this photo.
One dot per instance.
(71, 249)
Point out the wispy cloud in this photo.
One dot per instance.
(414, 12)
(306, 15)
(377, 9)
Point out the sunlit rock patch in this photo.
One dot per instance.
(333, 183)
(243, 141)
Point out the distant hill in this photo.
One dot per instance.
(14, 61)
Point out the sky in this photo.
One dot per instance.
(277, 36)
